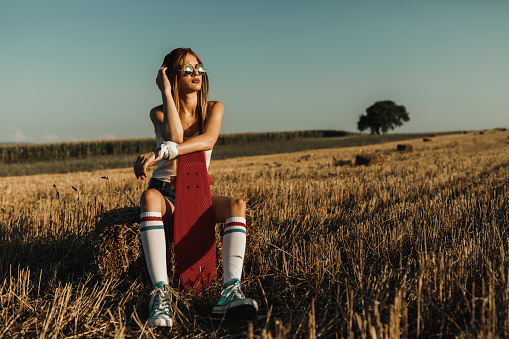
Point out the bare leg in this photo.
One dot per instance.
(153, 201)
(226, 207)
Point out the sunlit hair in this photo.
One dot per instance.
(175, 61)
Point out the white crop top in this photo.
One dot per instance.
(165, 168)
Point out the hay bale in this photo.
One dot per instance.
(117, 245)
(405, 148)
(370, 159)
(427, 139)
(118, 251)
(341, 162)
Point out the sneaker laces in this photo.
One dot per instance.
(161, 303)
(232, 292)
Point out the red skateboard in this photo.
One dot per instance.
(194, 234)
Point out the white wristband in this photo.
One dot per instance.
(168, 150)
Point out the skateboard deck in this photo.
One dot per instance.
(194, 234)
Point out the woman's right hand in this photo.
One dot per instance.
(142, 162)
(162, 80)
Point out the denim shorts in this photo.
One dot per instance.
(164, 187)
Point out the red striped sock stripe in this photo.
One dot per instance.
(151, 219)
(235, 223)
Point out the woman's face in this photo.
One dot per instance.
(191, 82)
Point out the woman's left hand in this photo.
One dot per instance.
(142, 162)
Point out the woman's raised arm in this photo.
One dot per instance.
(165, 118)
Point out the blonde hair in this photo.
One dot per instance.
(175, 62)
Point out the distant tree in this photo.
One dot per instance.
(383, 116)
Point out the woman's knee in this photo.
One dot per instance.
(150, 200)
(237, 207)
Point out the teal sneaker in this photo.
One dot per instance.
(160, 309)
(233, 304)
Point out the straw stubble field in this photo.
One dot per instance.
(416, 245)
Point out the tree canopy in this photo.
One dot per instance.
(383, 116)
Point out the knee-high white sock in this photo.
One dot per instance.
(234, 247)
(154, 245)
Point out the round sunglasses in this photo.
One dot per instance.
(189, 69)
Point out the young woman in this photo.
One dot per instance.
(186, 122)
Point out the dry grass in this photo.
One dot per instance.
(415, 246)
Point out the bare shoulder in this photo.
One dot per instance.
(156, 113)
(156, 109)
(214, 107)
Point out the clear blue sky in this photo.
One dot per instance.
(85, 70)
